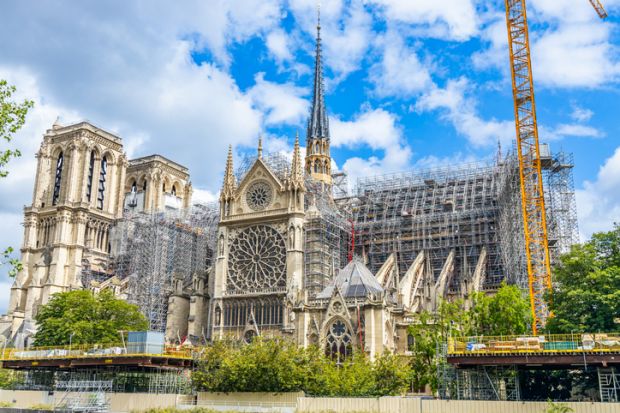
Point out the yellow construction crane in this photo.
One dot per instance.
(532, 191)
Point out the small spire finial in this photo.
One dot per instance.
(229, 178)
(318, 14)
(260, 146)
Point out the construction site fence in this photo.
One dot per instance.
(548, 343)
(94, 350)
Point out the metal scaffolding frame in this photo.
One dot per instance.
(90, 380)
(609, 384)
(327, 234)
(488, 383)
(154, 251)
(463, 208)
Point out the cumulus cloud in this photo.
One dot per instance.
(598, 202)
(571, 47)
(346, 29)
(375, 129)
(580, 114)
(399, 72)
(282, 103)
(446, 19)
(461, 112)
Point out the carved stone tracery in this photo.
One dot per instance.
(257, 261)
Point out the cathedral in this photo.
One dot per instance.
(285, 252)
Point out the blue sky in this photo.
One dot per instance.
(410, 84)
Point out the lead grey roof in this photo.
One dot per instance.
(353, 281)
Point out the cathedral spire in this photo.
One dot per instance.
(260, 146)
(228, 187)
(318, 160)
(318, 124)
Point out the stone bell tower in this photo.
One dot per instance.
(77, 198)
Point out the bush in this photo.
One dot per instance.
(276, 365)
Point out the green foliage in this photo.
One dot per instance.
(6, 404)
(12, 118)
(505, 313)
(276, 365)
(42, 406)
(557, 408)
(586, 296)
(10, 378)
(81, 317)
(14, 263)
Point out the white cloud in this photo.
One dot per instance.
(598, 202)
(400, 71)
(346, 30)
(445, 19)
(282, 103)
(573, 129)
(203, 196)
(461, 112)
(278, 44)
(378, 130)
(571, 47)
(580, 114)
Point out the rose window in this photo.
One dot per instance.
(257, 261)
(259, 195)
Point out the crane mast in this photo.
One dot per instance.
(599, 8)
(532, 192)
(530, 175)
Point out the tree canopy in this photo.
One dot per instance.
(277, 365)
(81, 317)
(586, 295)
(504, 313)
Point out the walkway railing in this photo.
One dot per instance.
(95, 350)
(550, 343)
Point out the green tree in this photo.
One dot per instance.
(391, 375)
(429, 333)
(10, 378)
(586, 295)
(505, 313)
(12, 118)
(81, 317)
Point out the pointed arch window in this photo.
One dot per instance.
(174, 190)
(102, 178)
(58, 178)
(339, 343)
(91, 171)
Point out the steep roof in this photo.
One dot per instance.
(354, 280)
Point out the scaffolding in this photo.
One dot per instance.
(439, 211)
(327, 235)
(460, 211)
(609, 384)
(154, 252)
(83, 396)
(488, 383)
(88, 380)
